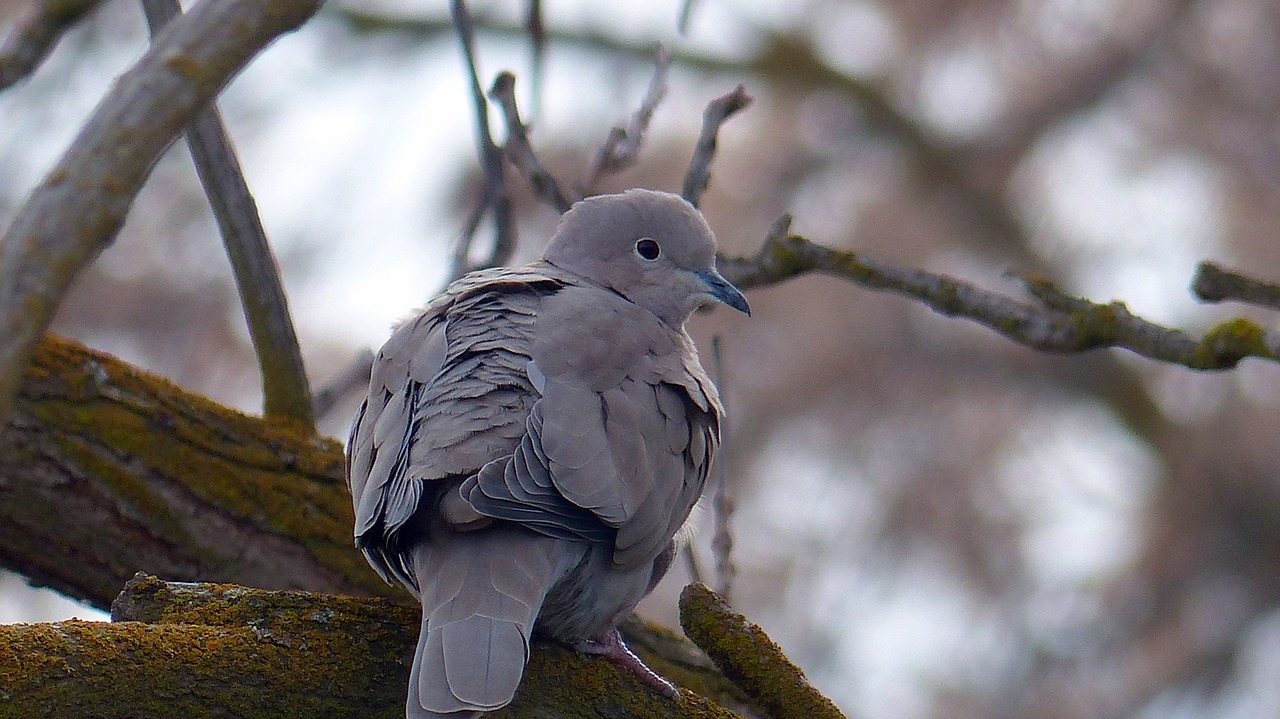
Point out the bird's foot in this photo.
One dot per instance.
(611, 646)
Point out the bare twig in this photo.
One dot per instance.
(35, 33)
(788, 61)
(1214, 284)
(78, 208)
(352, 377)
(686, 14)
(285, 390)
(538, 46)
(718, 110)
(691, 563)
(1060, 323)
(519, 152)
(721, 501)
(462, 247)
(496, 198)
(622, 147)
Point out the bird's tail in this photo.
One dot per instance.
(481, 592)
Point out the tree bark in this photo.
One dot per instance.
(106, 470)
(204, 650)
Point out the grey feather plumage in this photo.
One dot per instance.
(533, 440)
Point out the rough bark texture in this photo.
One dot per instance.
(106, 471)
(750, 659)
(203, 650)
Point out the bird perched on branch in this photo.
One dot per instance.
(534, 439)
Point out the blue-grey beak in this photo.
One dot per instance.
(723, 291)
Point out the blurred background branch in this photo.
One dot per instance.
(35, 33)
(496, 200)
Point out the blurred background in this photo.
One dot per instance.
(931, 520)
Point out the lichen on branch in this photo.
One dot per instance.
(1057, 322)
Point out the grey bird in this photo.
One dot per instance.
(532, 442)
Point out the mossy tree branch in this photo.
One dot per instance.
(192, 650)
(750, 659)
(106, 470)
(1058, 323)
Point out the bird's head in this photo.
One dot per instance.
(653, 248)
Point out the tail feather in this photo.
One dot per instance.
(481, 593)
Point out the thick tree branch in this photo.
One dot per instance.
(106, 470)
(285, 390)
(1060, 323)
(190, 650)
(78, 208)
(35, 33)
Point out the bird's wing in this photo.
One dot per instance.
(449, 392)
(619, 444)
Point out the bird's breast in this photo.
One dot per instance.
(598, 338)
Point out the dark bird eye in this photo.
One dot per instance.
(648, 249)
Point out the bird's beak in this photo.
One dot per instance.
(722, 291)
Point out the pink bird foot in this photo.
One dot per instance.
(611, 646)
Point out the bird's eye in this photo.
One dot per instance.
(648, 249)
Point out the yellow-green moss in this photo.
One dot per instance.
(132, 669)
(749, 658)
(184, 65)
(1096, 325)
(1228, 342)
(947, 299)
(272, 472)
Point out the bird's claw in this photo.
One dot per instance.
(611, 646)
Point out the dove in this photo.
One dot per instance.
(532, 442)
